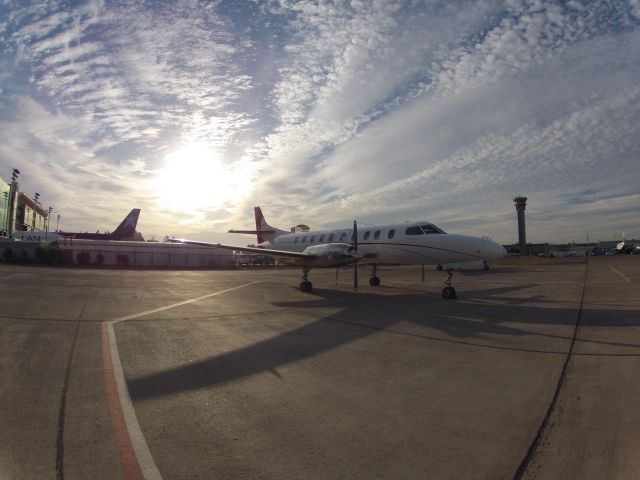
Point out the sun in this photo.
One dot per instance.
(195, 178)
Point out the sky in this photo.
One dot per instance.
(322, 113)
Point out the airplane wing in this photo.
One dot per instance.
(262, 251)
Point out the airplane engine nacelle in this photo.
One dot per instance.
(331, 255)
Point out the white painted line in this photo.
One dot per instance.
(142, 453)
(173, 305)
(622, 275)
(457, 317)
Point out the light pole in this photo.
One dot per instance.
(37, 202)
(57, 222)
(12, 195)
(46, 236)
(5, 229)
(587, 244)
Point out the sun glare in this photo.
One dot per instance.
(195, 178)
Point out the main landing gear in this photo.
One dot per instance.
(374, 280)
(449, 291)
(305, 284)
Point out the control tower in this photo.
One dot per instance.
(521, 204)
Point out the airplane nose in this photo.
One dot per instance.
(495, 250)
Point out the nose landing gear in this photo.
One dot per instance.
(374, 280)
(448, 291)
(305, 285)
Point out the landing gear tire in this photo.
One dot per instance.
(306, 286)
(448, 292)
(374, 280)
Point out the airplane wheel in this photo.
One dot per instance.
(306, 286)
(486, 266)
(448, 292)
(374, 281)
(439, 268)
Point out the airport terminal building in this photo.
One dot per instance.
(25, 235)
(142, 254)
(21, 213)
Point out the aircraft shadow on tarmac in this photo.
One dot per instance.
(383, 312)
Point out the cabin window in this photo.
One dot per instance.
(376, 235)
(343, 236)
(321, 239)
(415, 230)
(392, 232)
(431, 229)
(331, 237)
(366, 235)
(313, 239)
(304, 239)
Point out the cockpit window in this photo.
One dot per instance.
(430, 228)
(415, 230)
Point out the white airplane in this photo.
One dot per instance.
(416, 243)
(626, 247)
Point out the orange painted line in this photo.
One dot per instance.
(130, 466)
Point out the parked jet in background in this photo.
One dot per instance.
(417, 243)
(627, 247)
(125, 230)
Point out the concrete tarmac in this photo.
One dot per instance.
(531, 373)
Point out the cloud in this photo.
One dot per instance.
(380, 110)
(546, 97)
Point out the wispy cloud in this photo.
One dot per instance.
(377, 110)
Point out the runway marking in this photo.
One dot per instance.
(137, 461)
(179, 304)
(121, 409)
(621, 274)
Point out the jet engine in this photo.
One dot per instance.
(330, 255)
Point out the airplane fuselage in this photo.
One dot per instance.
(410, 243)
(416, 243)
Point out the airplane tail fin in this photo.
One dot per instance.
(128, 226)
(264, 231)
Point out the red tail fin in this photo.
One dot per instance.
(264, 231)
(262, 228)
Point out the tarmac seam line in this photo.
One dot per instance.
(533, 447)
(138, 463)
(63, 402)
